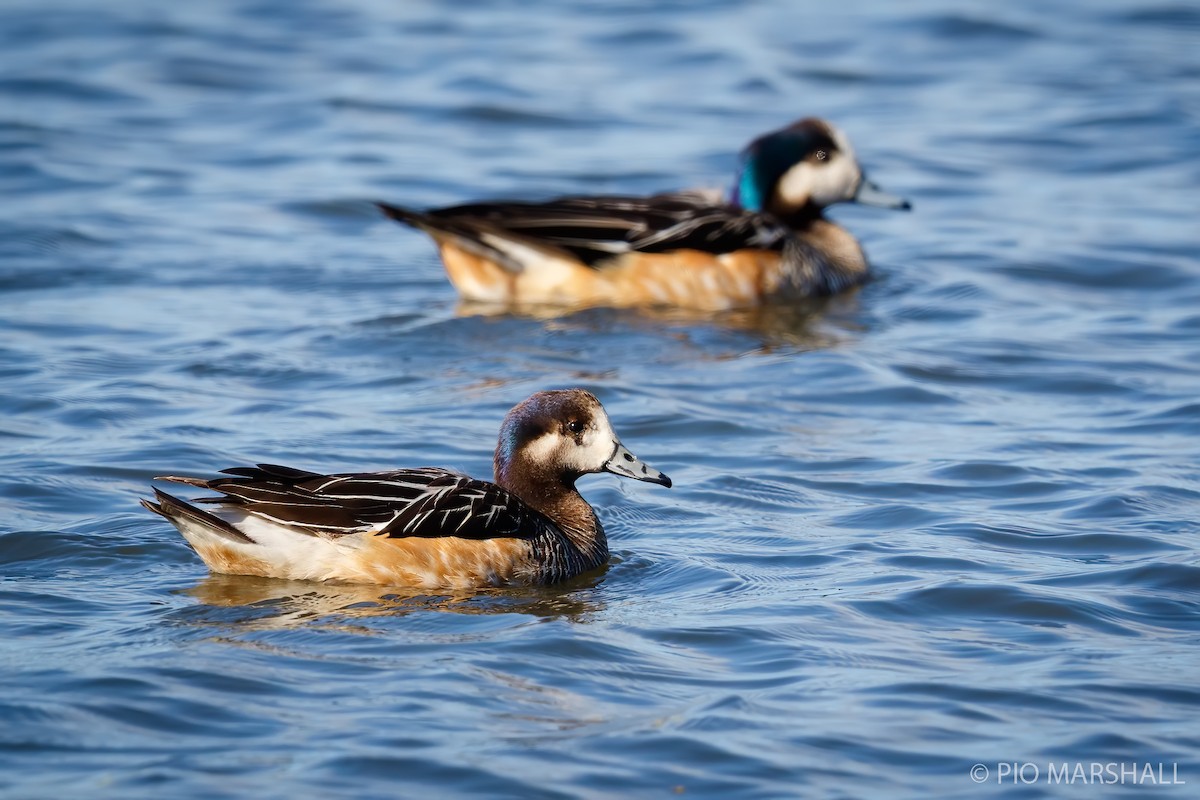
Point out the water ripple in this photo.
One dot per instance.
(946, 519)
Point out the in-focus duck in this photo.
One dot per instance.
(423, 527)
(768, 240)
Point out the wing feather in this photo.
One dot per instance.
(597, 229)
(425, 502)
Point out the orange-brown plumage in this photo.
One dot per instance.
(689, 278)
(228, 559)
(448, 561)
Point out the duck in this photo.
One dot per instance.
(767, 240)
(422, 527)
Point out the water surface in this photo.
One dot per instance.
(947, 520)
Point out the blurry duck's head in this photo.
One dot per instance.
(561, 435)
(800, 169)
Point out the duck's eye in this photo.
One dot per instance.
(575, 426)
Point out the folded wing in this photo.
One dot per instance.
(596, 230)
(425, 502)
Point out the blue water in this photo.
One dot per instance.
(948, 520)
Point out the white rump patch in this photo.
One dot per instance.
(291, 553)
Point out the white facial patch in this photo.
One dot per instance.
(557, 447)
(547, 448)
(599, 441)
(823, 182)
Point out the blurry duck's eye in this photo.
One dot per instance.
(575, 426)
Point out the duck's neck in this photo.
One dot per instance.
(824, 260)
(796, 218)
(556, 497)
(757, 189)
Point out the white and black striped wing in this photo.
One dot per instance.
(598, 228)
(425, 502)
(456, 505)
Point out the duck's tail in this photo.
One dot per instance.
(184, 515)
(406, 215)
(472, 236)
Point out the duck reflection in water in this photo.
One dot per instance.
(270, 603)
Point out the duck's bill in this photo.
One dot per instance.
(628, 465)
(869, 194)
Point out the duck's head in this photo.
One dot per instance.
(560, 435)
(801, 169)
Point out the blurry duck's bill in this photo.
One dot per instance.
(626, 464)
(869, 194)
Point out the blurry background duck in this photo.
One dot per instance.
(768, 240)
(421, 527)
